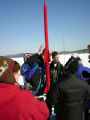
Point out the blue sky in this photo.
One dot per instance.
(22, 25)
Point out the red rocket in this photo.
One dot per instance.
(46, 54)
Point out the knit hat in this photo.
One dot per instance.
(26, 55)
(72, 66)
(75, 55)
(6, 70)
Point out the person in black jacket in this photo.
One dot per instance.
(56, 72)
(39, 59)
(69, 94)
(56, 68)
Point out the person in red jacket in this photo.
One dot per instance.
(17, 103)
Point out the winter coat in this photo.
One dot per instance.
(56, 72)
(36, 58)
(34, 76)
(69, 95)
(80, 70)
(79, 74)
(20, 104)
(39, 60)
(24, 68)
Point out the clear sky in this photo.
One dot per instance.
(22, 25)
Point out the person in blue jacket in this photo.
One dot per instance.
(31, 72)
(24, 70)
(25, 66)
(80, 71)
(34, 76)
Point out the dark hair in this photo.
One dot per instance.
(54, 53)
(43, 51)
(88, 46)
(17, 67)
(72, 65)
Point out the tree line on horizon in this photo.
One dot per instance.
(60, 53)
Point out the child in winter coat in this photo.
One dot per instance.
(17, 103)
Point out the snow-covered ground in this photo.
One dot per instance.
(63, 59)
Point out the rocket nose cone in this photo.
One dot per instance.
(44, 2)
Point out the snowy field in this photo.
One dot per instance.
(63, 59)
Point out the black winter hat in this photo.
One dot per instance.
(72, 65)
(32, 59)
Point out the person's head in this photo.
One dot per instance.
(43, 53)
(26, 55)
(16, 70)
(9, 70)
(72, 65)
(55, 56)
(88, 47)
(74, 55)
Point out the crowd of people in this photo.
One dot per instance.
(69, 88)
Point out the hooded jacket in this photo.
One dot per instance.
(24, 67)
(80, 70)
(19, 104)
